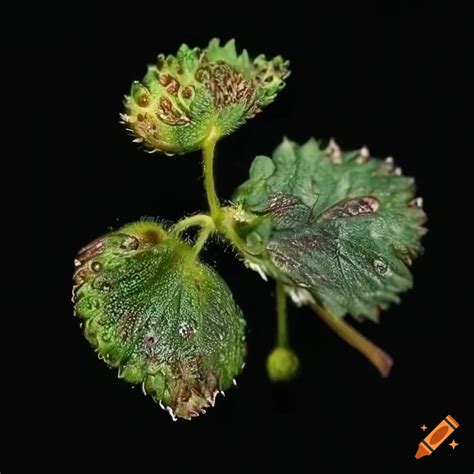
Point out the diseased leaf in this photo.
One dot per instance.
(343, 226)
(184, 98)
(158, 315)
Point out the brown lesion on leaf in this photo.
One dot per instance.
(226, 85)
(287, 254)
(95, 248)
(151, 237)
(143, 127)
(140, 235)
(127, 326)
(229, 87)
(280, 204)
(286, 210)
(351, 207)
(129, 243)
(171, 114)
(310, 242)
(164, 79)
(81, 273)
(203, 74)
(85, 268)
(143, 100)
(167, 80)
(151, 356)
(194, 390)
(281, 258)
(150, 341)
(173, 87)
(187, 92)
(141, 95)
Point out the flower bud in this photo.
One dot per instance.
(282, 365)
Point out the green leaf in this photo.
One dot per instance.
(183, 99)
(341, 228)
(162, 318)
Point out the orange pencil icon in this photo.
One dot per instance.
(437, 436)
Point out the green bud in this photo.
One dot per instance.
(159, 315)
(185, 99)
(282, 365)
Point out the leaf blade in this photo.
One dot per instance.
(344, 226)
(163, 318)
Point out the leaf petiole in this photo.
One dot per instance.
(382, 361)
(281, 309)
(201, 220)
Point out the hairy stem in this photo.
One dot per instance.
(376, 356)
(282, 323)
(208, 166)
(225, 226)
(201, 220)
(201, 240)
(207, 228)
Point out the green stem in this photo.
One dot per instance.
(208, 165)
(201, 240)
(377, 356)
(207, 228)
(201, 220)
(225, 226)
(282, 323)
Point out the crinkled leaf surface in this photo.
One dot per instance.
(184, 98)
(163, 318)
(343, 226)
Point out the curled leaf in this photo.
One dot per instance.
(339, 227)
(162, 318)
(184, 99)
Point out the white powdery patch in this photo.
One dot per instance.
(364, 155)
(300, 296)
(334, 152)
(124, 118)
(212, 400)
(171, 412)
(256, 268)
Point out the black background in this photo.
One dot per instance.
(390, 78)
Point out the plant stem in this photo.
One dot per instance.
(201, 220)
(207, 227)
(225, 226)
(208, 166)
(282, 323)
(201, 240)
(376, 356)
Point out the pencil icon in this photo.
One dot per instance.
(436, 437)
